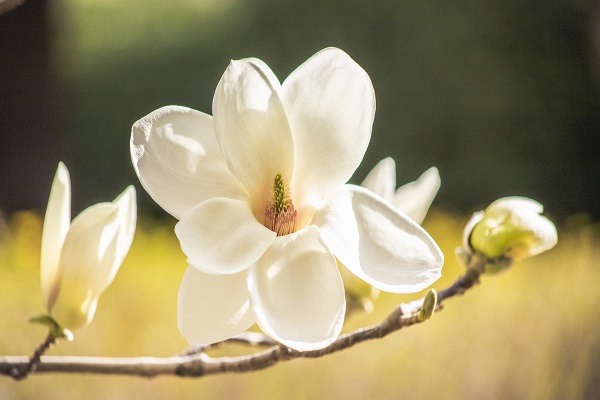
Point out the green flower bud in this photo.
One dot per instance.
(429, 304)
(512, 227)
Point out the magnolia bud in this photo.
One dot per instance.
(429, 304)
(513, 228)
(79, 259)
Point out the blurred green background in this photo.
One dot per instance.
(503, 97)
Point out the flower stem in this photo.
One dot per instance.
(466, 281)
(35, 359)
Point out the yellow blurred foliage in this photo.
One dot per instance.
(531, 333)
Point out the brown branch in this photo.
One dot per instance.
(21, 372)
(248, 338)
(466, 281)
(196, 363)
(200, 364)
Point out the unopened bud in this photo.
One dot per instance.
(512, 228)
(429, 304)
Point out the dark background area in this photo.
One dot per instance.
(503, 97)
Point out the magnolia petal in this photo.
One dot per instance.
(330, 103)
(87, 264)
(297, 293)
(415, 198)
(178, 161)
(516, 204)
(222, 236)
(545, 237)
(537, 235)
(126, 219)
(56, 225)
(382, 179)
(378, 243)
(252, 128)
(213, 307)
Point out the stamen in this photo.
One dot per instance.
(280, 215)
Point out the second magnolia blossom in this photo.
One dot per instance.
(265, 214)
(80, 259)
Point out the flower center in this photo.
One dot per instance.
(280, 215)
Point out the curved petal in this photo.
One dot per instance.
(296, 292)
(87, 264)
(330, 103)
(252, 128)
(544, 237)
(382, 179)
(126, 220)
(221, 236)
(415, 198)
(176, 157)
(378, 243)
(56, 225)
(213, 307)
(516, 203)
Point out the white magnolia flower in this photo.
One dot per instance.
(512, 227)
(414, 198)
(80, 259)
(264, 211)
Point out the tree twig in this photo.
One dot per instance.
(21, 372)
(200, 364)
(255, 339)
(196, 363)
(466, 281)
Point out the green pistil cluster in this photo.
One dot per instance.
(281, 202)
(280, 215)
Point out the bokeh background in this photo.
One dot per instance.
(503, 97)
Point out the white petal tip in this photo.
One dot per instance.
(62, 173)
